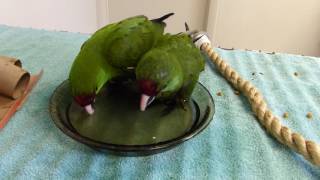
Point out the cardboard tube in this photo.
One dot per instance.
(13, 79)
(10, 60)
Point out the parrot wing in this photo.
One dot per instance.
(190, 59)
(131, 40)
(90, 72)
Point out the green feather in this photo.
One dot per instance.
(175, 57)
(90, 72)
(162, 68)
(131, 40)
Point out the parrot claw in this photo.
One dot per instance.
(178, 102)
(182, 103)
(89, 109)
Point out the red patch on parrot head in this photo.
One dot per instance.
(84, 100)
(148, 87)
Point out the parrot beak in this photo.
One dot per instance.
(89, 109)
(145, 101)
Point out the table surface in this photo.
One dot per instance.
(234, 146)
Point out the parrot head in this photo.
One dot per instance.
(159, 75)
(86, 79)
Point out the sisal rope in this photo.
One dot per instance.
(308, 149)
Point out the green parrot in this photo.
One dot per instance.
(111, 52)
(170, 70)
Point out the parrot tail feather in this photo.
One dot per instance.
(186, 26)
(161, 19)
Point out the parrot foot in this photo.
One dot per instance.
(182, 103)
(171, 105)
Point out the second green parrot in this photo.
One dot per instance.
(170, 70)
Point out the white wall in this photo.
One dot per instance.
(68, 15)
(88, 15)
(191, 11)
(291, 26)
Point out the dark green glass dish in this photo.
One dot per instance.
(119, 127)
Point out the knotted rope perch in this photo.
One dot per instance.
(309, 149)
